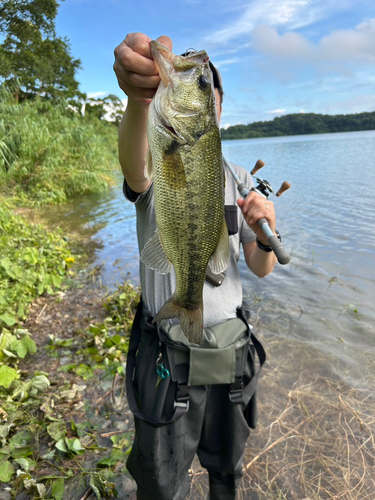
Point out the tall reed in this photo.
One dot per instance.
(49, 154)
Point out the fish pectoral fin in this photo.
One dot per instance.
(149, 169)
(220, 258)
(154, 257)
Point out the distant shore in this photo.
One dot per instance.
(300, 124)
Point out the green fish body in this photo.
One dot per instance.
(185, 160)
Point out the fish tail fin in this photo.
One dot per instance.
(191, 320)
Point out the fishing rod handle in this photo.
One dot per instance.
(242, 189)
(282, 255)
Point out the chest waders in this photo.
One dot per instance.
(226, 356)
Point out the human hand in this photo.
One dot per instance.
(136, 72)
(253, 208)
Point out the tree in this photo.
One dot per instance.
(33, 59)
(109, 108)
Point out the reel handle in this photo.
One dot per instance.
(284, 187)
(259, 164)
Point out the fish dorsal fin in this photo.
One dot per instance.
(154, 257)
(220, 258)
(149, 169)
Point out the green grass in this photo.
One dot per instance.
(49, 154)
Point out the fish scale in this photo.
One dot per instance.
(186, 163)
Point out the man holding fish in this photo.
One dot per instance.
(188, 228)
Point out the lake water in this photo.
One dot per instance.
(325, 296)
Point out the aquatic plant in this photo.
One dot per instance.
(52, 441)
(32, 261)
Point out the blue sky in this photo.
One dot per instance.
(276, 56)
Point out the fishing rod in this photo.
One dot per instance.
(264, 189)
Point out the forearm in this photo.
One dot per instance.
(261, 263)
(133, 145)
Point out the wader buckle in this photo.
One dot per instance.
(182, 398)
(235, 390)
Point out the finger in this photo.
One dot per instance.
(165, 40)
(139, 43)
(248, 202)
(136, 93)
(259, 211)
(126, 59)
(136, 79)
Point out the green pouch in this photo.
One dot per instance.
(217, 360)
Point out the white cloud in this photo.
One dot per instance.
(288, 46)
(221, 64)
(290, 14)
(96, 95)
(276, 112)
(341, 46)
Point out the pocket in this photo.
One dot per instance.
(145, 361)
(231, 219)
(155, 403)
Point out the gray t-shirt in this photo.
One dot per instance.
(220, 303)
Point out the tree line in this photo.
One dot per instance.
(37, 63)
(302, 123)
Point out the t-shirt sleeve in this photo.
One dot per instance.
(134, 197)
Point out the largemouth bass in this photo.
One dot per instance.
(185, 160)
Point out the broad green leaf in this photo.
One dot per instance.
(56, 280)
(21, 451)
(23, 463)
(7, 375)
(84, 371)
(8, 319)
(60, 445)
(95, 489)
(19, 348)
(106, 462)
(27, 464)
(49, 455)
(20, 439)
(58, 488)
(40, 383)
(57, 430)
(30, 344)
(30, 255)
(76, 446)
(4, 430)
(6, 472)
(6, 339)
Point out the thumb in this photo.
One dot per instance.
(165, 40)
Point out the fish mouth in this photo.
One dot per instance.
(170, 129)
(166, 125)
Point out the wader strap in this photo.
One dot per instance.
(181, 404)
(237, 392)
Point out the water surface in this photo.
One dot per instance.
(325, 297)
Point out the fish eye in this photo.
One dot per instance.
(203, 82)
